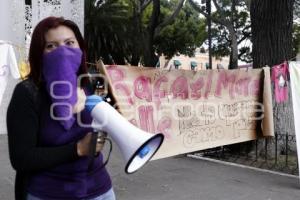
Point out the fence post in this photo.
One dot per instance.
(286, 149)
(276, 140)
(256, 151)
(266, 149)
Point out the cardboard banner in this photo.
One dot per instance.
(195, 110)
(268, 121)
(294, 69)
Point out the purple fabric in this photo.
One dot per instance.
(71, 180)
(60, 68)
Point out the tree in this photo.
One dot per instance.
(296, 28)
(271, 31)
(183, 36)
(106, 30)
(272, 26)
(154, 28)
(297, 9)
(296, 39)
(221, 40)
(226, 15)
(135, 30)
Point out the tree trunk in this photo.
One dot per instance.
(137, 43)
(234, 48)
(138, 39)
(272, 22)
(150, 59)
(272, 26)
(153, 29)
(234, 56)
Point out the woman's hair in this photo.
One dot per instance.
(38, 43)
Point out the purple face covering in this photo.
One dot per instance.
(60, 68)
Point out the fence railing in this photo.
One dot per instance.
(277, 153)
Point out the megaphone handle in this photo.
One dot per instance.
(92, 149)
(110, 150)
(94, 146)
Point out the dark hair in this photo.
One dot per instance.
(38, 43)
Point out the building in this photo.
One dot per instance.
(199, 62)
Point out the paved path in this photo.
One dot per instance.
(181, 178)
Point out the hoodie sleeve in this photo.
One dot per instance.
(23, 129)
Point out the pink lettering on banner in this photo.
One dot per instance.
(225, 80)
(164, 127)
(142, 88)
(208, 84)
(117, 76)
(196, 88)
(150, 119)
(125, 90)
(157, 92)
(255, 88)
(146, 118)
(242, 86)
(180, 88)
(143, 118)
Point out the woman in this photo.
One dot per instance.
(48, 148)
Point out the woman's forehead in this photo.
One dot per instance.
(59, 33)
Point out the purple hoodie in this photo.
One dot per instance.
(70, 180)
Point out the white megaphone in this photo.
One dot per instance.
(136, 145)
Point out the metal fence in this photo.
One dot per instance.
(278, 153)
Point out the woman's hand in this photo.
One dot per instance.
(84, 145)
(80, 104)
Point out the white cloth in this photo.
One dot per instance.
(294, 69)
(8, 66)
(8, 73)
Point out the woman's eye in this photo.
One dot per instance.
(70, 43)
(50, 46)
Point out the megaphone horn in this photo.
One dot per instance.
(136, 145)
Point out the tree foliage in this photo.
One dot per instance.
(183, 36)
(231, 29)
(296, 39)
(134, 30)
(106, 29)
(242, 29)
(297, 10)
